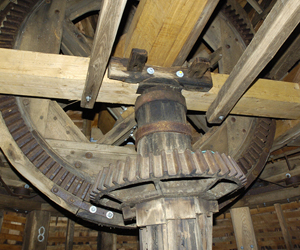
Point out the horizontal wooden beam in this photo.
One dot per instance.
(63, 77)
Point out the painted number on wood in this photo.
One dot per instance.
(41, 235)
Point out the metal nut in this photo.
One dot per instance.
(109, 215)
(179, 73)
(150, 71)
(93, 209)
(88, 98)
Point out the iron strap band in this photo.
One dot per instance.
(162, 126)
(159, 95)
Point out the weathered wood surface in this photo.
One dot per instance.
(70, 234)
(165, 27)
(26, 168)
(36, 230)
(63, 77)
(108, 241)
(284, 229)
(107, 27)
(195, 33)
(275, 30)
(73, 41)
(121, 130)
(243, 228)
(47, 19)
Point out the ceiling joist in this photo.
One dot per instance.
(56, 76)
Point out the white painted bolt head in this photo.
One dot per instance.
(93, 209)
(109, 215)
(26, 186)
(252, 246)
(288, 175)
(88, 98)
(221, 117)
(179, 73)
(150, 71)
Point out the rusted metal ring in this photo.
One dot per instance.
(162, 126)
(159, 95)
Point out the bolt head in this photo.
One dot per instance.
(88, 98)
(288, 175)
(109, 215)
(242, 247)
(78, 164)
(252, 246)
(55, 190)
(221, 117)
(26, 186)
(93, 209)
(179, 73)
(88, 155)
(150, 71)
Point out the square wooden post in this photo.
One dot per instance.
(36, 230)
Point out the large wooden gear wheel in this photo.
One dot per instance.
(66, 170)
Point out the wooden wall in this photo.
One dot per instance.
(266, 227)
(266, 222)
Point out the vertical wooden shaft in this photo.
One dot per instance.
(162, 108)
(162, 126)
(178, 234)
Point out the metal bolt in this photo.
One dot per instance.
(288, 175)
(26, 186)
(251, 246)
(242, 247)
(71, 200)
(88, 155)
(55, 190)
(150, 71)
(25, 102)
(179, 73)
(88, 98)
(78, 164)
(221, 117)
(109, 215)
(93, 209)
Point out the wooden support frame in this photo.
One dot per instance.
(28, 73)
(107, 27)
(281, 21)
(70, 234)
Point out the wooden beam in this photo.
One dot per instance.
(1, 218)
(57, 76)
(36, 230)
(164, 27)
(114, 136)
(195, 33)
(288, 59)
(281, 21)
(284, 229)
(107, 27)
(255, 5)
(73, 41)
(70, 234)
(243, 228)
